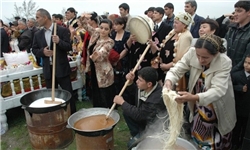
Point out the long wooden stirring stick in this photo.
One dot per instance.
(53, 74)
(126, 83)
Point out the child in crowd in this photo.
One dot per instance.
(241, 84)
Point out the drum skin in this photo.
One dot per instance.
(141, 27)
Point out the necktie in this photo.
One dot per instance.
(248, 82)
(156, 28)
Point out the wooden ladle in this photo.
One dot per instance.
(126, 83)
(52, 101)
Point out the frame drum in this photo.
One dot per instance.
(140, 27)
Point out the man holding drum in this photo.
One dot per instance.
(160, 31)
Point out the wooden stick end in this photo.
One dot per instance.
(52, 102)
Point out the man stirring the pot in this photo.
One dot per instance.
(42, 47)
(148, 103)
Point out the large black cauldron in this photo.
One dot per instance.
(47, 125)
(28, 98)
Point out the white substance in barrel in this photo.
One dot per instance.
(41, 104)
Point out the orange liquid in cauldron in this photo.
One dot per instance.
(92, 123)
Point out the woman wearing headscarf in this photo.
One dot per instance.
(174, 46)
(210, 94)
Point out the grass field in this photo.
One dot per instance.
(17, 137)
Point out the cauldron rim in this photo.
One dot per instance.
(152, 141)
(93, 132)
(25, 101)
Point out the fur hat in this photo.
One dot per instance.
(185, 18)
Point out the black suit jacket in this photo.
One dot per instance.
(4, 42)
(62, 63)
(196, 26)
(161, 33)
(242, 99)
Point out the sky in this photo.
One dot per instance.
(211, 8)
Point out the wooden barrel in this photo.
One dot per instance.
(104, 141)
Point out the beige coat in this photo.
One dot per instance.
(182, 45)
(217, 82)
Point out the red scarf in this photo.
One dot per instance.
(84, 49)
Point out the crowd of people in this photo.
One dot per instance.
(206, 61)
